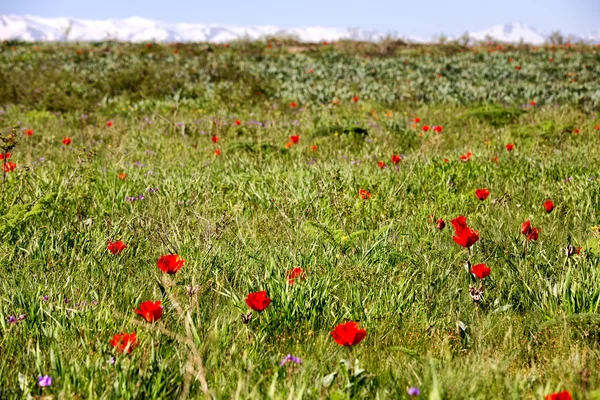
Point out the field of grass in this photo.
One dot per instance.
(252, 159)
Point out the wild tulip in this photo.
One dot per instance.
(381, 164)
(364, 194)
(466, 157)
(564, 395)
(396, 158)
(313, 147)
(66, 141)
(416, 120)
(124, 342)
(116, 247)
(482, 194)
(355, 99)
(294, 274)
(109, 124)
(3, 156)
(510, 147)
(440, 224)
(217, 152)
(549, 206)
(289, 145)
(238, 122)
(214, 139)
(9, 167)
(438, 129)
(532, 103)
(293, 103)
(481, 271)
(534, 234)
(29, 132)
(170, 263)
(294, 139)
(258, 301)
(122, 176)
(425, 128)
(151, 311)
(526, 227)
(348, 334)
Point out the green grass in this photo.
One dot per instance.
(244, 218)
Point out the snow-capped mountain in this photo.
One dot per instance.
(136, 29)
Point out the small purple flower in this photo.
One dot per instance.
(141, 197)
(414, 392)
(12, 319)
(290, 358)
(21, 317)
(44, 381)
(67, 300)
(111, 361)
(45, 298)
(296, 122)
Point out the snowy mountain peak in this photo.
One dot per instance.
(139, 29)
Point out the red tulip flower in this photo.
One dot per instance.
(532, 103)
(396, 158)
(348, 334)
(565, 395)
(313, 147)
(364, 194)
(294, 139)
(238, 122)
(482, 194)
(549, 206)
(258, 301)
(66, 141)
(425, 128)
(109, 124)
(465, 236)
(170, 263)
(217, 152)
(416, 120)
(440, 224)
(9, 167)
(355, 99)
(481, 270)
(510, 147)
(466, 156)
(295, 273)
(293, 103)
(437, 129)
(214, 139)
(518, 67)
(29, 132)
(150, 310)
(116, 247)
(526, 227)
(124, 342)
(534, 234)
(2, 156)
(381, 164)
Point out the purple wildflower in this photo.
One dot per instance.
(44, 381)
(21, 317)
(414, 392)
(45, 298)
(290, 358)
(12, 319)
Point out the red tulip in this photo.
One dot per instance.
(465, 236)
(238, 122)
(150, 311)
(381, 164)
(481, 270)
(565, 395)
(348, 334)
(170, 263)
(214, 139)
(66, 141)
(29, 132)
(425, 128)
(355, 99)
(217, 152)
(482, 194)
(295, 273)
(258, 301)
(293, 103)
(466, 156)
(440, 224)
(534, 234)
(313, 147)
(510, 147)
(109, 124)
(526, 227)
(9, 167)
(532, 103)
(396, 158)
(416, 120)
(518, 67)
(364, 194)
(437, 129)
(124, 342)
(2, 156)
(549, 205)
(294, 139)
(576, 131)
(116, 247)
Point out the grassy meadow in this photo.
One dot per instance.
(247, 161)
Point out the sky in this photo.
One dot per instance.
(414, 17)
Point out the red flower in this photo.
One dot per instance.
(551, 59)
(494, 159)
(293, 103)
(289, 145)
(381, 164)
(66, 141)
(313, 147)
(510, 147)
(9, 167)
(425, 128)
(416, 120)
(438, 129)
(116, 247)
(510, 60)
(518, 67)
(355, 99)
(480, 270)
(2, 156)
(596, 127)
(150, 311)
(465, 236)
(124, 342)
(549, 205)
(29, 132)
(534, 234)
(396, 158)
(482, 194)
(576, 131)
(348, 334)
(559, 396)
(466, 157)
(122, 176)
(258, 301)
(364, 194)
(295, 273)
(214, 139)
(217, 152)
(526, 227)
(109, 124)
(446, 160)
(440, 224)
(170, 263)
(294, 139)
(532, 103)
(238, 122)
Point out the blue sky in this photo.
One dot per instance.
(419, 17)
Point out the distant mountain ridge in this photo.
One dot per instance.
(137, 29)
